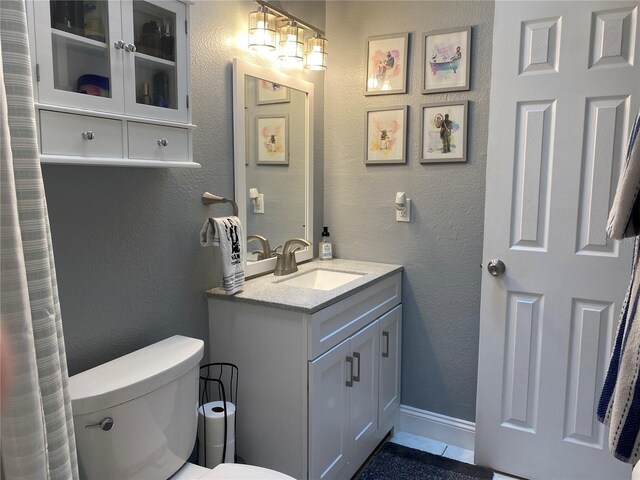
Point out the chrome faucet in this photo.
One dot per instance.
(286, 261)
(266, 248)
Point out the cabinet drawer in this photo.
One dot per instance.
(153, 142)
(333, 324)
(80, 135)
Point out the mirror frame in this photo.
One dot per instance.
(241, 70)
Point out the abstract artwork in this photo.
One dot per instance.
(444, 132)
(272, 139)
(386, 64)
(269, 92)
(386, 135)
(446, 60)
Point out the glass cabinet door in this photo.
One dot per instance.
(79, 56)
(155, 74)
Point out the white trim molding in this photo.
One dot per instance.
(453, 431)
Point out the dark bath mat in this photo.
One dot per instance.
(398, 462)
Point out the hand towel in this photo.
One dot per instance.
(624, 218)
(619, 405)
(226, 233)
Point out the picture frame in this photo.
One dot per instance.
(386, 135)
(270, 92)
(436, 146)
(386, 62)
(272, 139)
(446, 60)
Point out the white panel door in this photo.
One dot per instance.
(565, 85)
(363, 396)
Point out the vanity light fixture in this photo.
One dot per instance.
(291, 43)
(291, 31)
(262, 29)
(316, 53)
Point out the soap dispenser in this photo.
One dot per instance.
(326, 247)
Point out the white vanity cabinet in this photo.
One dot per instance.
(112, 81)
(317, 390)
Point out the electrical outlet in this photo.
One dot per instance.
(258, 207)
(405, 214)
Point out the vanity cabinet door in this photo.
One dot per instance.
(390, 343)
(329, 411)
(363, 396)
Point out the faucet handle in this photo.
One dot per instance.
(289, 243)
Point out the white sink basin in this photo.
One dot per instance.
(321, 279)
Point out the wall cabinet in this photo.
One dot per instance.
(317, 391)
(104, 71)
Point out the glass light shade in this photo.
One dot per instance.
(291, 43)
(262, 30)
(316, 53)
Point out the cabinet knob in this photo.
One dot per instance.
(130, 47)
(163, 142)
(88, 135)
(119, 45)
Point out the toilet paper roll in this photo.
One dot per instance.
(214, 455)
(211, 432)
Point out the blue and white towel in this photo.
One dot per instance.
(227, 234)
(619, 405)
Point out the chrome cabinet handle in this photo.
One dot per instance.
(88, 135)
(350, 381)
(119, 45)
(496, 267)
(356, 377)
(385, 334)
(105, 424)
(163, 142)
(130, 47)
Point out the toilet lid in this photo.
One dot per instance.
(236, 471)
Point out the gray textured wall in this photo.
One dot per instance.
(130, 269)
(442, 246)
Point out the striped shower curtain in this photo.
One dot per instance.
(36, 421)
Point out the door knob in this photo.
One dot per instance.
(130, 47)
(496, 267)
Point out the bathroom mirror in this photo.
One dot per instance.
(273, 158)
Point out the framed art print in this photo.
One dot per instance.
(446, 60)
(444, 132)
(269, 92)
(386, 135)
(386, 64)
(272, 139)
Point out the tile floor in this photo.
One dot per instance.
(439, 448)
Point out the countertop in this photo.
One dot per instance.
(266, 290)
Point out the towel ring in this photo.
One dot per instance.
(210, 199)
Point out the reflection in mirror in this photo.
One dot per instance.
(273, 141)
(275, 166)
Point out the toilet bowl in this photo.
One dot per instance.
(228, 471)
(135, 417)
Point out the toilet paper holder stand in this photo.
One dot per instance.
(224, 376)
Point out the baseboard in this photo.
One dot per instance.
(452, 431)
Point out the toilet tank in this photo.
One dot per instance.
(152, 397)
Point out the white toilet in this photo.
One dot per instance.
(136, 417)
